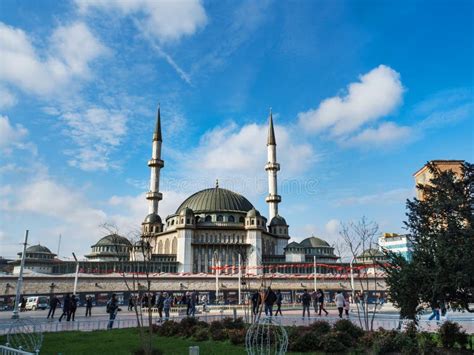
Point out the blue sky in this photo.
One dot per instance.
(363, 94)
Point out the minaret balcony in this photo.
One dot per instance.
(152, 195)
(156, 163)
(273, 198)
(272, 166)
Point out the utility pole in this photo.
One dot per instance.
(216, 267)
(240, 281)
(314, 270)
(20, 278)
(352, 279)
(77, 274)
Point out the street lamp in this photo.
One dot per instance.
(20, 278)
(77, 274)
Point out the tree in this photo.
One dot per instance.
(440, 227)
(357, 238)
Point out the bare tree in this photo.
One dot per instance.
(359, 237)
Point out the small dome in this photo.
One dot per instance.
(314, 242)
(113, 239)
(371, 253)
(253, 213)
(152, 218)
(278, 221)
(293, 245)
(38, 249)
(186, 212)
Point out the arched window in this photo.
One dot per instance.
(220, 218)
(241, 219)
(182, 220)
(231, 219)
(160, 247)
(167, 246)
(253, 222)
(197, 219)
(174, 246)
(172, 222)
(208, 218)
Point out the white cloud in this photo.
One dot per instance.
(7, 99)
(45, 71)
(395, 196)
(167, 21)
(97, 132)
(387, 133)
(13, 136)
(375, 95)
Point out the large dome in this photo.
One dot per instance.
(314, 242)
(216, 200)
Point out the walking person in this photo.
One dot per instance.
(89, 306)
(435, 311)
(112, 309)
(256, 301)
(279, 299)
(66, 308)
(347, 306)
(339, 299)
(159, 305)
(53, 303)
(74, 301)
(270, 298)
(167, 302)
(23, 304)
(306, 301)
(321, 302)
(131, 303)
(192, 303)
(314, 298)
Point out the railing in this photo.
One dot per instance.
(5, 350)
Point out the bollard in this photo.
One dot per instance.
(194, 350)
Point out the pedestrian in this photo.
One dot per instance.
(270, 298)
(89, 306)
(167, 302)
(23, 304)
(279, 300)
(321, 302)
(347, 306)
(256, 301)
(187, 301)
(306, 301)
(74, 301)
(159, 305)
(339, 299)
(145, 301)
(193, 302)
(112, 309)
(435, 311)
(130, 303)
(66, 308)
(53, 303)
(314, 298)
(153, 301)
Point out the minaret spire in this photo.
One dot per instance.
(155, 164)
(272, 167)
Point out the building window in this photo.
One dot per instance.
(172, 222)
(208, 218)
(220, 218)
(197, 219)
(167, 246)
(231, 219)
(174, 246)
(241, 219)
(253, 222)
(188, 221)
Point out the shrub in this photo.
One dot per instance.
(188, 322)
(218, 334)
(368, 339)
(169, 328)
(320, 327)
(450, 333)
(201, 334)
(307, 341)
(347, 328)
(384, 342)
(230, 323)
(333, 342)
(237, 336)
(426, 343)
(215, 325)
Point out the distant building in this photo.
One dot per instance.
(38, 259)
(397, 243)
(424, 176)
(112, 247)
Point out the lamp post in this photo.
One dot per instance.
(20, 278)
(314, 270)
(352, 278)
(240, 280)
(76, 275)
(216, 260)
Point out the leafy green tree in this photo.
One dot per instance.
(440, 227)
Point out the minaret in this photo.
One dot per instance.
(155, 163)
(272, 167)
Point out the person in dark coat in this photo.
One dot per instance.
(160, 304)
(23, 304)
(256, 301)
(321, 302)
(306, 301)
(53, 303)
(74, 301)
(112, 309)
(66, 308)
(89, 306)
(270, 299)
(279, 300)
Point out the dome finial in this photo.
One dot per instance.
(217, 183)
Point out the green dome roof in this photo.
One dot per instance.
(371, 253)
(278, 221)
(216, 200)
(113, 239)
(38, 249)
(314, 242)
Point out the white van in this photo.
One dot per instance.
(36, 302)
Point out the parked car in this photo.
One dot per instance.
(37, 302)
